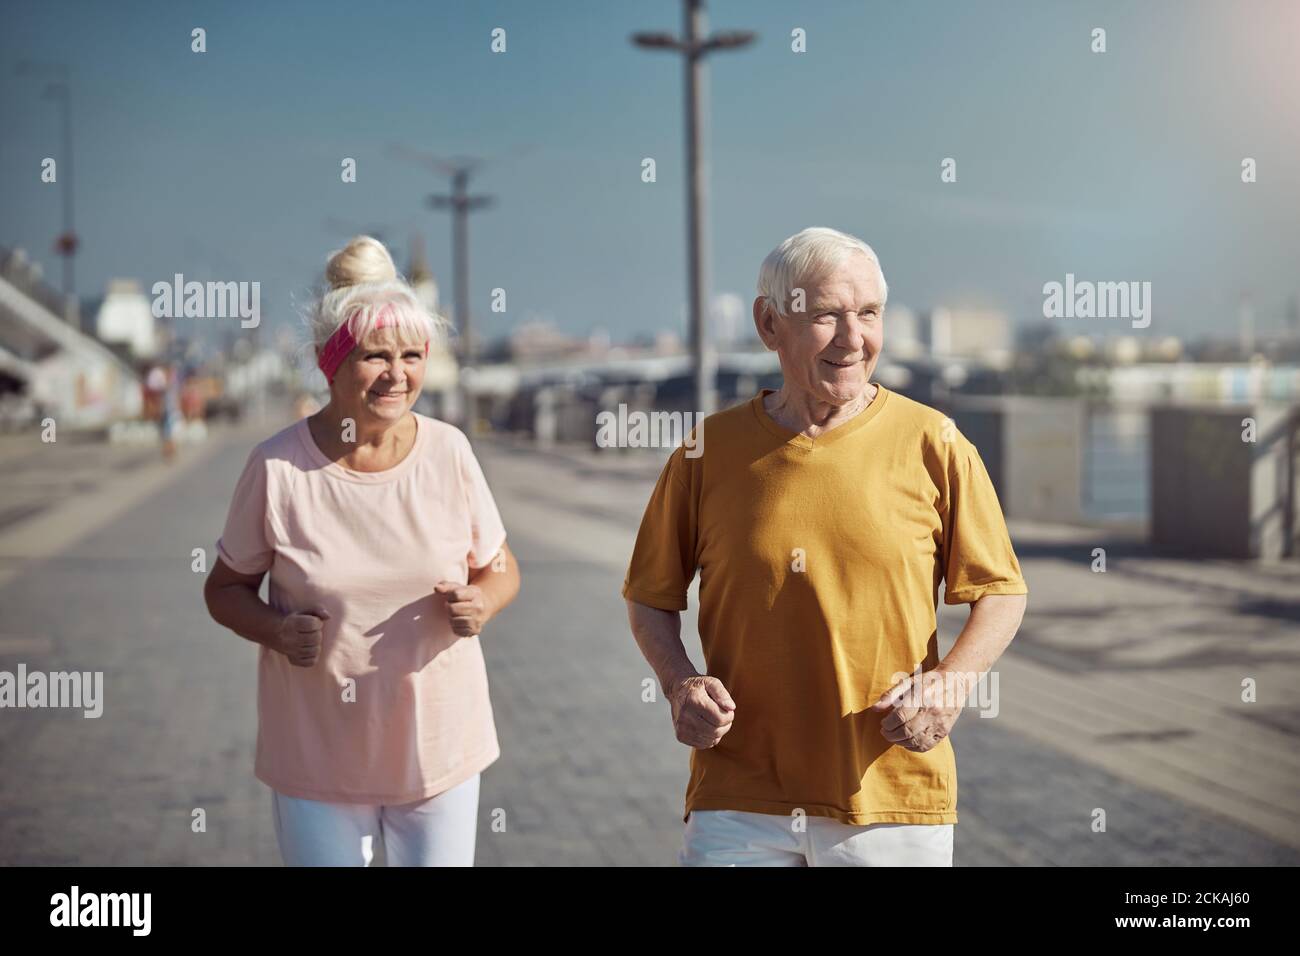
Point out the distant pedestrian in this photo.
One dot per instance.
(171, 413)
(154, 385)
(387, 557)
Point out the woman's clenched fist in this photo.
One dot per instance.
(299, 637)
(465, 607)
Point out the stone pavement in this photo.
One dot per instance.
(119, 595)
(1121, 692)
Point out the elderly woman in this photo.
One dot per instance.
(822, 518)
(387, 557)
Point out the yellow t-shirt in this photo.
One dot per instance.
(820, 562)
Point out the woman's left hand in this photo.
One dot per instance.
(465, 607)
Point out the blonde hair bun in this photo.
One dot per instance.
(364, 259)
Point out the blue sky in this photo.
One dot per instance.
(1116, 166)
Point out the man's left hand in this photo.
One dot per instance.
(924, 708)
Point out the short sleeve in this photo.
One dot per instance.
(977, 555)
(664, 556)
(487, 533)
(246, 544)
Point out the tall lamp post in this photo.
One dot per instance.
(60, 89)
(694, 46)
(461, 204)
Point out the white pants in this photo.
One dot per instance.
(740, 838)
(438, 831)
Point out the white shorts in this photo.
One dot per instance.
(438, 831)
(741, 838)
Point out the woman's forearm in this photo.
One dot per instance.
(242, 609)
(499, 587)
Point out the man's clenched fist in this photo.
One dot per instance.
(702, 711)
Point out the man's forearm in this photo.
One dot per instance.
(992, 624)
(659, 635)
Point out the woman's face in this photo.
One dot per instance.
(380, 379)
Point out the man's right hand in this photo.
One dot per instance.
(299, 637)
(702, 711)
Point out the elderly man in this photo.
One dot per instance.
(822, 518)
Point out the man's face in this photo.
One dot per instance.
(829, 351)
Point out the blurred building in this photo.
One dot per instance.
(125, 317)
(1203, 382)
(420, 276)
(968, 333)
(48, 367)
(540, 340)
(667, 342)
(730, 321)
(904, 333)
(440, 391)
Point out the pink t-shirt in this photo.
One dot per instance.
(368, 547)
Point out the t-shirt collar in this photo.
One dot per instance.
(338, 470)
(798, 439)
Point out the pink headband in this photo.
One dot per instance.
(340, 345)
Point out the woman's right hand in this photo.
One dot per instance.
(299, 637)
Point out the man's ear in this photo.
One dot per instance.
(763, 323)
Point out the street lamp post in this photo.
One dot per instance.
(695, 46)
(461, 205)
(61, 89)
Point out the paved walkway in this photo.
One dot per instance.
(1121, 692)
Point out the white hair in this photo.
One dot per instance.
(363, 282)
(805, 256)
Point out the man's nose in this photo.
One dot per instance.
(851, 335)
